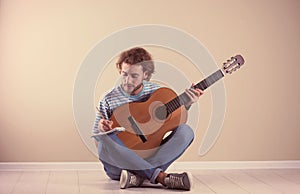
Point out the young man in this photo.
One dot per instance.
(120, 163)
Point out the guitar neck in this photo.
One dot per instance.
(183, 98)
(210, 80)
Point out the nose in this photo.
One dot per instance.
(128, 80)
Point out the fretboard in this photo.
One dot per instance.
(180, 100)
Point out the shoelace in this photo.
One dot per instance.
(133, 180)
(176, 182)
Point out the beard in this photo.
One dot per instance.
(130, 89)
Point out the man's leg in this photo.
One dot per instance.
(111, 171)
(116, 156)
(173, 147)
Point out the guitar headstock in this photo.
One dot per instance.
(233, 64)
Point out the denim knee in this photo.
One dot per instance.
(185, 132)
(111, 171)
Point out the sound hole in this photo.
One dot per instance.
(161, 112)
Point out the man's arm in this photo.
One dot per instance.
(96, 143)
(193, 94)
(104, 125)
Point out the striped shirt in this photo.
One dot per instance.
(117, 97)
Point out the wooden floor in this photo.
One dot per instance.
(204, 181)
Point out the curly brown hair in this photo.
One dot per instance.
(137, 56)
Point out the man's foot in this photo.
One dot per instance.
(128, 179)
(178, 181)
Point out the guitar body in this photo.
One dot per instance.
(152, 128)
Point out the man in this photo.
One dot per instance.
(120, 163)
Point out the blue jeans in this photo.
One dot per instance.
(115, 156)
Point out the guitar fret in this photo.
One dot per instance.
(180, 100)
(207, 83)
(172, 105)
(183, 98)
(177, 102)
(169, 107)
(209, 80)
(201, 86)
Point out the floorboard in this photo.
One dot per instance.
(262, 181)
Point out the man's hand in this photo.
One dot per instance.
(193, 94)
(105, 125)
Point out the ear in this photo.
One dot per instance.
(146, 76)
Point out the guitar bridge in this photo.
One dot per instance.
(136, 129)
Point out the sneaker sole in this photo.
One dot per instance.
(190, 176)
(123, 179)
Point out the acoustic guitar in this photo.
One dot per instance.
(146, 123)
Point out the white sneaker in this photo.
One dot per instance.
(128, 179)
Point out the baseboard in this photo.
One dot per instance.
(286, 164)
(50, 166)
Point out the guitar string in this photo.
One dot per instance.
(175, 103)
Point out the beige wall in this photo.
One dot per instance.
(44, 42)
